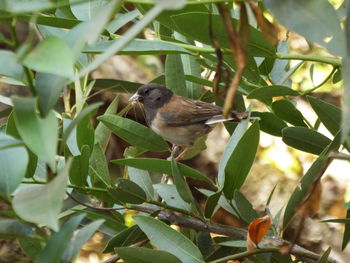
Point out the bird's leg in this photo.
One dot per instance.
(182, 154)
(175, 151)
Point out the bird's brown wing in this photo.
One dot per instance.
(182, 111)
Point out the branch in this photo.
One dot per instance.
(274, 244)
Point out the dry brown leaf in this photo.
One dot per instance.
(311, 205)
(269, 30)
(257, 229)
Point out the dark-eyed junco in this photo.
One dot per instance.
(177, 119)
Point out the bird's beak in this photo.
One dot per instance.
(135, 97)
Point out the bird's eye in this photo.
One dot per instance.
(158, 99)
(146, 91)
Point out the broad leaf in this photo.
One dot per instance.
(168, 239)
(9, 66)
(13, 163)
(48, 87)
(134, 133)
(39, 134)
(58, 57)
(41, 204)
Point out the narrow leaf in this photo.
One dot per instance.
(168, 239)
(55, 247)
(134, 133)
(241, 159)
(145, 255)
(161, 166)
(305, 139)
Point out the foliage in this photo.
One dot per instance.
(52, 157)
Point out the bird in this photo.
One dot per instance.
(179, 120)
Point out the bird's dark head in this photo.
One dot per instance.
(152, 95)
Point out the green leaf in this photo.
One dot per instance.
(39, 134)
(174, 75)
(127, 191)
(244, 207)
(303, 187)
(142, 179)
(84, 113)
(316, 20)
(168, 239)
(134, 133)
(102, 133)
(117, 85)
(83, 235)
(48, 88)
(346, 236)
(86, 10)
(13, 163)
(31, 246)
(161, 166)
(138, 47)
(230, 147)
(18, 6)
(180, 183)
(195, 26)
(286, 110)
(121, 20)
(241, 159)
(98, 168)
(58, 57)
(41, 204)
(265, 94)
(80, 167)
(211, 204)
(270, 123)
(171, 196)
(145, 255)
(328, 114)
(9, 66)
(13, 228)
(305, 139)
(56, 246)
(325, 255)
(125, 238)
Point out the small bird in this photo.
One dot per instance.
(179, 120)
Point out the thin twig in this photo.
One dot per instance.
(94, 207)
(238, 54)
